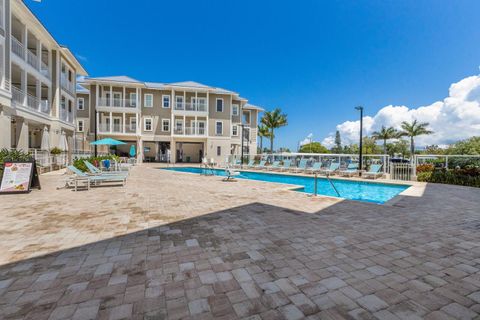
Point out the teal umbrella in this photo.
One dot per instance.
(107, 141)
(132, 151)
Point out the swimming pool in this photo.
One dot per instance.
(348, 189)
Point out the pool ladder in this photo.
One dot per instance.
(329, 180)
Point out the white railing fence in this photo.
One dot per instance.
(116, 102)
(18, 48)
(32, 59)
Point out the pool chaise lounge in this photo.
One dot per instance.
(96, 171)
(315, 168)
(100, 178)
(374, 172)
(261, 165)
(286, 165)
(275, 165)
(332, 169)
(302, 166)
(352, 169)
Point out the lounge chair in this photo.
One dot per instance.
(230, 174)
(286, 165)
(261, 165)
(275, 165)
(82, 176)
(302, 166)
(331, 169)
(250, 164)
(94, 170)
(351, 170)
(237, 163)
(317, 166)
(373, 172)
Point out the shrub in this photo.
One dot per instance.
(12, 155)
(463, 177)
(425, 167)
(80, 164)
(55, 151)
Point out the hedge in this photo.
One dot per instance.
(463, 177)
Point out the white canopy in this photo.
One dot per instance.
(45, 139)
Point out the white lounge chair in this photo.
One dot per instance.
(331, 169)
(302, 166)
(316, 167)
(374, 172)
(351, 170)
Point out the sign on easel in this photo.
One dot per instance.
(19, 177)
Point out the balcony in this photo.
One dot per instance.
(66, 116)
(66, 84)
(18, 48)
(32, 60)
(116, 103)
(116, 129)
(190, 131)
(191, 106)
(44, 70)
(31, 102)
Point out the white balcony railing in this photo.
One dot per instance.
(191, 106)
(44, 70)
(116, 102)
(18, 48)
(66, 116)
(190, 131)
(32, 59)
(66, 84)
(32, 102)
(115, 128)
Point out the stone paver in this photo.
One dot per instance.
(244, 249)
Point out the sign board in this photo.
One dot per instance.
(19, 177)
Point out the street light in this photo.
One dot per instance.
(360, 108)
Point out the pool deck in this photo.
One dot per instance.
(171, 245)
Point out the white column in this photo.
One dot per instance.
(184, 102)
(111, 97)
(196, 100)
(23, 85)
(184, 123)
(39, 54)
(38, 93)
(196, 124)
(137, 129)
(111, 123)
(137, 91)
(98, 123)
(123, 122)
(123, 97)
(96, 95)
(172, 124)
(25, 42)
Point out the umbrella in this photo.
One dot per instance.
(45, 140)
(63, 144)
(132, 151)
(107, 141)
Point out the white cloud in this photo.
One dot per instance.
(456, 117)
(307, 139)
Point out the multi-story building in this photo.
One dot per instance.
(37, 83)
(166, 122)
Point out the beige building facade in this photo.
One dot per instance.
(37, 83)
(165, 122)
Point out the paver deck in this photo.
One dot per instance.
(171, 245)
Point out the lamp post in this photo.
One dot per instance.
(360, 163)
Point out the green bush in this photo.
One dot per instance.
(463, 177)
(80, 164)
(55, 151)
(12, 155)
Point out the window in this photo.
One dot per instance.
(117, 99)
(133, 124)
(179, 126)
(80, 104)
(219, 105)
(80, 126)
(234, 130)
(235, 109)
(179, 102)
(148, 100)
(219, 128)
(165, 125)
(69, 106)
(202, 104)
(219, 151)
(133, 99)
(166, 101)
(246, 117)
(147, 124)
(63, 103)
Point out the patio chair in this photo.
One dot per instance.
(331, 169)
(286, 165)
(250, 164)
(96, 171)
(84, 177)
(275, 165)
(374, 172)
(261, 165)
(351, 170)
(230, 174)
(302, 166)
(316, 167)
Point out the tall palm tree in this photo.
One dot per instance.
(263, 132)
(385, 134)
(274, 120)
(413, 129)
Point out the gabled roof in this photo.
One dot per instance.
(251, 106)
(192, 84)
(115, 79)
(155, 85)
(81, 89)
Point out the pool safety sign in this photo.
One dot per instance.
(19, 177)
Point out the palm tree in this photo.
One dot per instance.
(414, 129)
(385, 134)
(274, 120)
(263, 132)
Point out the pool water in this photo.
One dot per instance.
(348, 189)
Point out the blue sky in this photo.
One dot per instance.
(316, 60)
